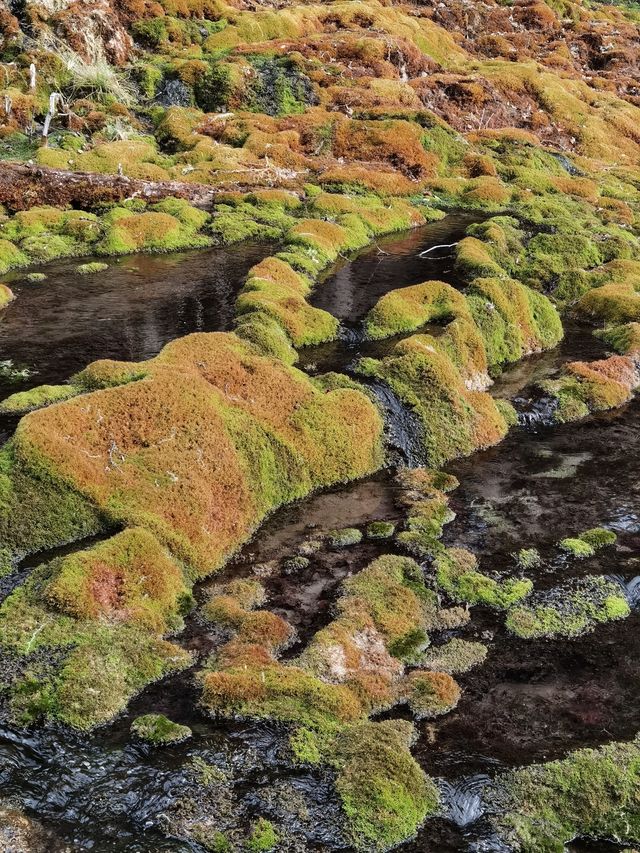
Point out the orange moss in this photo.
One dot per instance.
(129, 578)
(398, 143)
(213, 438)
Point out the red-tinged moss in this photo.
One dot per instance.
(355, 178)
(98, 642)
(271, 690)
(399, 143)
(232, 607)
(594, 386)
(430, 694)
(202, 448)
(129, 578)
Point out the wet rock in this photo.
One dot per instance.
(174, 93)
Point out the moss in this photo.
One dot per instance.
(77, 671)
(455, 656)
(263, 836)
(425, 523)
(458, 576)
(591, 792)
(595, 386)
(431, 694)
(473, 260)
(151, 231)
(380, 529)
(6, 296)
(267, 335)
(408, 308)
(577, 547)
(158, 729)
(36, 398)
(570, 611)
(345, 537)
(92, 268)
(250, 221)
(384, 794)
(39, 509)
(11, 257)
(227, 433)
(295, 564)
(624, 339)
(528, 558)
(35, 277)
(455, 420)
(598, 537)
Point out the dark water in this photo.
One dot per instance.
(354, 288)
(530, 701)
(129, 312)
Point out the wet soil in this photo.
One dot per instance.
(530, 701)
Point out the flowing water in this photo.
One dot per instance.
(530, 701)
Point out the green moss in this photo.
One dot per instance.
(35, 277)
(424, 523)
(380, 529)
(345, 537)
(151, 231)
(528, 558)
(623, 339)
(570, 611)
(263, 836)
(36, 398)
(455, 421)
(295, 564)
(158, 729)
(457, 575)
(11, 257)
(305, 746)
(384, 794)
(92, 268)
(47, 247)
(576, 547)
(591, 792)
(598, 537)
(455, 656)
(408, 308)
(38, 508)
(248, 220)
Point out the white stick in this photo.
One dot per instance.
(433, 248)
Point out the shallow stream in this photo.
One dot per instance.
(530, 701)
